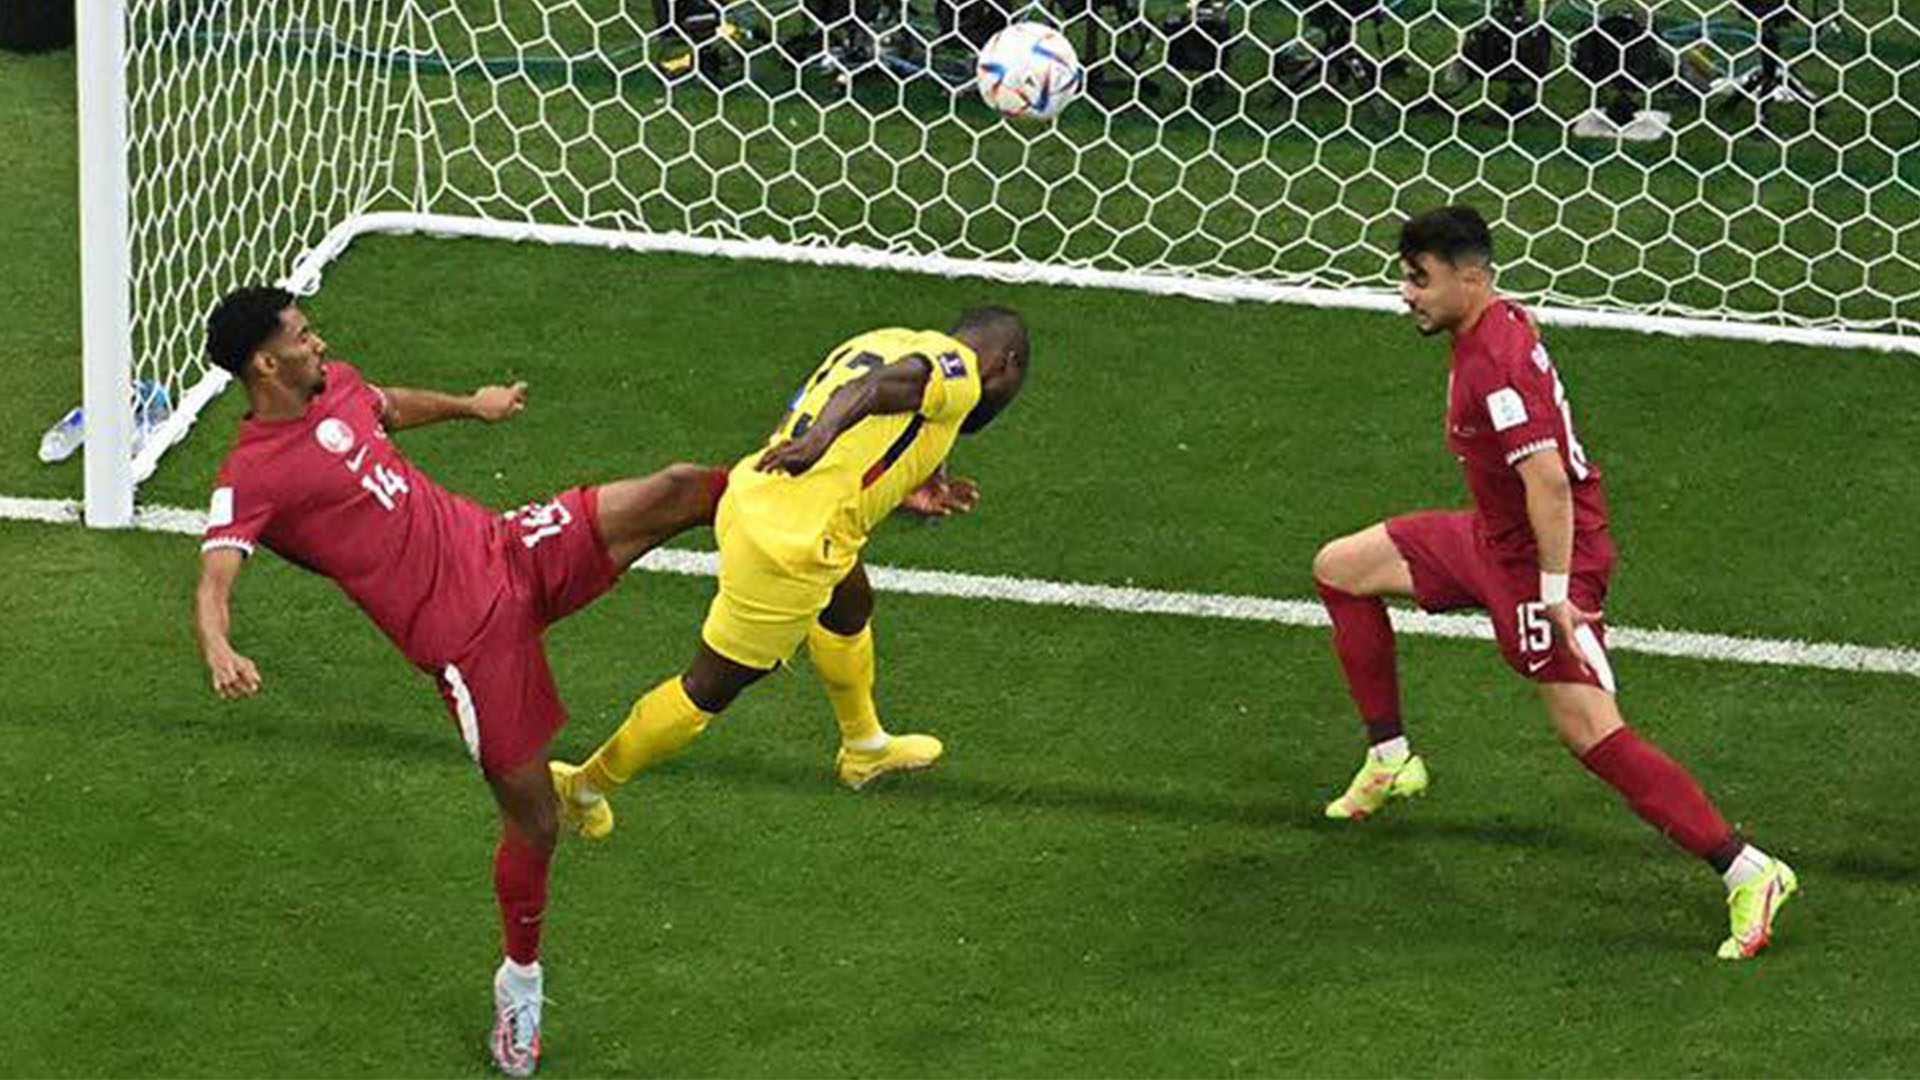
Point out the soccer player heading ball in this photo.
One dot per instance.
(1534, 553)
(873, 421)
(465, 593)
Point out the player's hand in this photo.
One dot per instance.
(496, 403)
(234, 676)
(940, 497)
(794, 456)
(963, 495)
(1567, 618)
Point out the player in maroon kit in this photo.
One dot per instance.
(465, 593)
(1533, 552)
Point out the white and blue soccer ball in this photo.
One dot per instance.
(1029, 69)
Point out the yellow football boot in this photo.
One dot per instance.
(592, 819)
(1375, 783)
(1751, 908)
(903, 753)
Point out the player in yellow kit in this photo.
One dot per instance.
(869, 426)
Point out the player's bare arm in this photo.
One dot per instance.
(896, 388)
(408, 408)
(234, 676)
(1550, 511)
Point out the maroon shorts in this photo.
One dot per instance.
(500, 690)
(1453, 569)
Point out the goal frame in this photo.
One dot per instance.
(113, 472)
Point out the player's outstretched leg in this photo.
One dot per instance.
(637, 515)
(1667, 797)
(528, 830)
(1352, 574)
(660, 725)
(841, 644)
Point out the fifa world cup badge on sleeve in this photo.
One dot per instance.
(220, 511)
(952, 366)
(1506, 409)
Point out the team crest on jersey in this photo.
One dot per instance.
(334, 434)
(952, 365)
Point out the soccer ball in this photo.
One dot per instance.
(1029, 69)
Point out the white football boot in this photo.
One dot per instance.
(516, 1021)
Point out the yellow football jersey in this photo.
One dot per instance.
(827, 513)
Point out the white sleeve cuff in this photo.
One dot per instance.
(1534, 447)
(245, 547)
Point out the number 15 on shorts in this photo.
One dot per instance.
(1536, 632)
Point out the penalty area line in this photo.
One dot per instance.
(1036, 592)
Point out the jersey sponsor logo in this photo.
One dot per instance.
(220, 510)
(1505, 408)
(952, 365)
(334, 435)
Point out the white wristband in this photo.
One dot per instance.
(1553, 588)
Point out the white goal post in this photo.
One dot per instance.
(1736, 168)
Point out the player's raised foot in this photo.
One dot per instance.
(1751, 908)
(590, 816)
(903, 753)
(1375, 783)
(516, 1020)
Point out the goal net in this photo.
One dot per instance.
(1739, 168)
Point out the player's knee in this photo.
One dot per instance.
(848, 620)
(1332, 565)
(696, 489)
(710, 691)
(849, 612)
(1580, 729)
(1575, 736)
(538, 823)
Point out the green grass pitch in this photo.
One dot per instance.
(1120, 868)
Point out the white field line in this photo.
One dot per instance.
(1721, 647)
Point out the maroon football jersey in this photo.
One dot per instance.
(329, 492)
(1504, 402)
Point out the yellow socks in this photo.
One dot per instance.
(845, 665)
(661, 723)
(665, 720)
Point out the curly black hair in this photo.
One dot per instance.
(241, 322)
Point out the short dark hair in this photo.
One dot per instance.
(241, 322)
(1455, 234)
(994, 322)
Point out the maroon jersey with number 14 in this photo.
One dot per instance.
(329, 492)
(1505, 401)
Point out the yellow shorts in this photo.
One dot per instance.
(766, 603)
